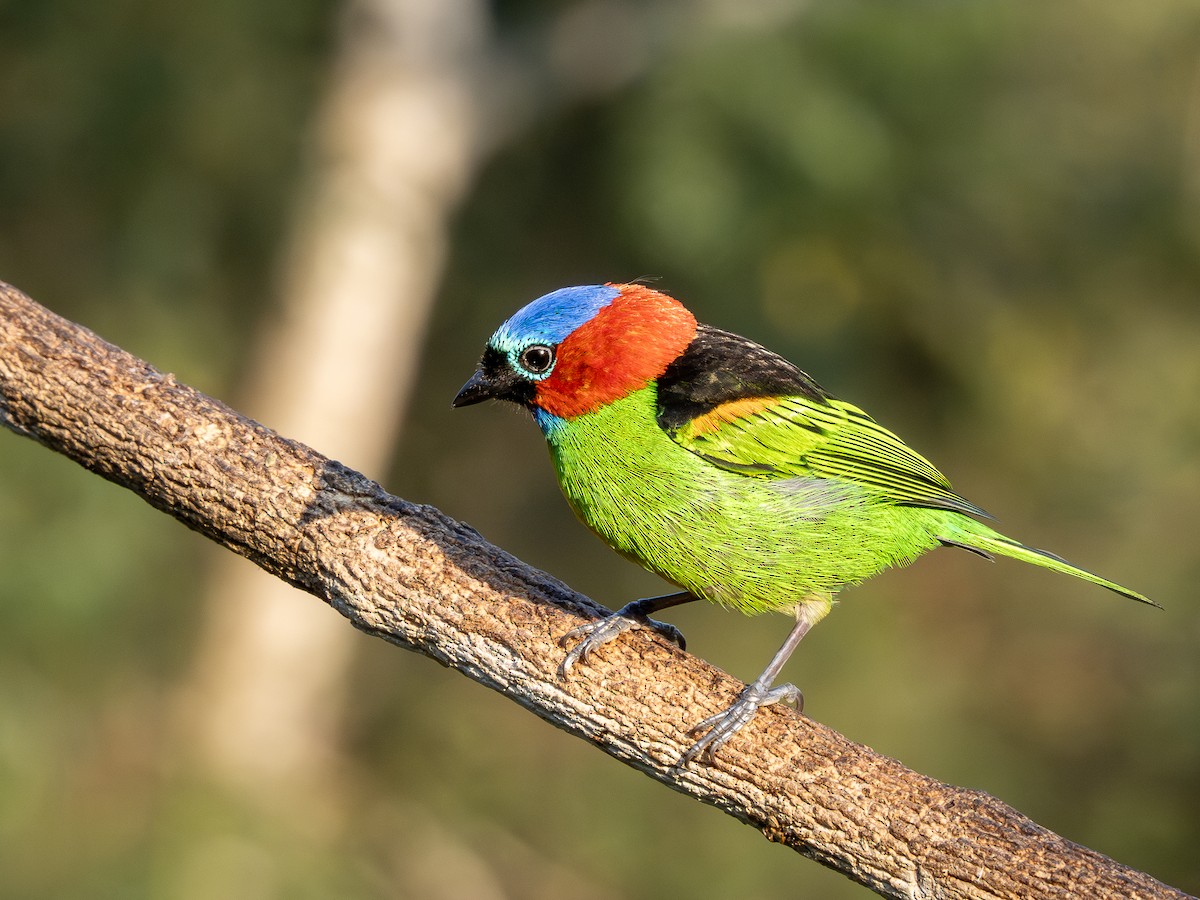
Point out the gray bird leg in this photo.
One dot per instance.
(596, 634)
(760, 693)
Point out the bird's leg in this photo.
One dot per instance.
(760, 693)
(595, 634)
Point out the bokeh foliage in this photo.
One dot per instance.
(977, 219)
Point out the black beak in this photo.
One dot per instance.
(495, 380)
(477, 389)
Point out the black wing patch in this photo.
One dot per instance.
(718, 367)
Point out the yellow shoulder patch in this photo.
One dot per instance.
(729, 412)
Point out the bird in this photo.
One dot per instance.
(723, 468)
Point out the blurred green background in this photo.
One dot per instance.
(979, 220)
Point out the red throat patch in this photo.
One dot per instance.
(624, 347)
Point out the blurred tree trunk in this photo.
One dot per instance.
(394, 152)
(421, 92)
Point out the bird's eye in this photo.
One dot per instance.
(536, 359)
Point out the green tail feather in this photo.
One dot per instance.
(987, 542)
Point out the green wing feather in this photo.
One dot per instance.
(790, 437)
(746, 409)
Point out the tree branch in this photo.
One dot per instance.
(412, 576)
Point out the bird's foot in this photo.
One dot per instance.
(726, 724)
(594, 635)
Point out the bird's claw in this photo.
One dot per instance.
(594, 635)
(725, 724)
(667, 630)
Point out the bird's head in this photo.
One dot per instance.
(579, 348)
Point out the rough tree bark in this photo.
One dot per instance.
(414, 577)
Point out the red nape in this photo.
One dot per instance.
(621, 349)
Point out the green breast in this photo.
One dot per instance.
(750, 542)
